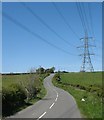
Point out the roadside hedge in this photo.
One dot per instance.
(13, 96)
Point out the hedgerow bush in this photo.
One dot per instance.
(19, 90)
(13, 96)
(57, 77)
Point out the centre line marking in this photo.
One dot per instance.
(42, 115)
(57, 95)
(56, 99)
(51, 106)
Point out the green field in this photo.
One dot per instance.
(87, 86)
(7, 80)
(85, 79)
(15, 93)
(0, 82)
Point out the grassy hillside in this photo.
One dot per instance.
(19, 91)
(85, 79)
(87, 86)
(0, 83)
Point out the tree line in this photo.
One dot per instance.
(42, 70)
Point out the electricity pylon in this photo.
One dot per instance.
(86, 63)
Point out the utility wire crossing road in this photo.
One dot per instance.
(56, 104)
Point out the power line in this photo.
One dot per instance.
(62, 16)
(86, 63)
(87, 23)
(34, 34)
(90, 16)
(85, 16)
(91, 23)
(81, 16)
(83, 19)
(45, 24)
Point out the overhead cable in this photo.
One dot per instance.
(81, 16)
(65, 21)
(45, 24)
(33, 33)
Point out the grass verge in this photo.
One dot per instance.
(14, 85)
(74, 84)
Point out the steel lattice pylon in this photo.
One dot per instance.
(86, 63)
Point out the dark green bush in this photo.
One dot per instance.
(13, 96)
(82, 87)
(57, 77)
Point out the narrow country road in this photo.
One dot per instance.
(56, 104)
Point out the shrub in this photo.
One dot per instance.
(57, 77)
(12, 97)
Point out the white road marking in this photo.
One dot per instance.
(56, 92)
(42, 115)
(51, 106)
(55, 99)
(57, 95)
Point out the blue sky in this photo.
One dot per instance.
(21, 50)
(0, 39)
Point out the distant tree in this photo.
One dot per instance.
(64, 72)
(40, 70)
(47, 70)
(52, 69)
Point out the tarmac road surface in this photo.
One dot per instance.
(56, 104)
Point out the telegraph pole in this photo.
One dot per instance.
(86, 63)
